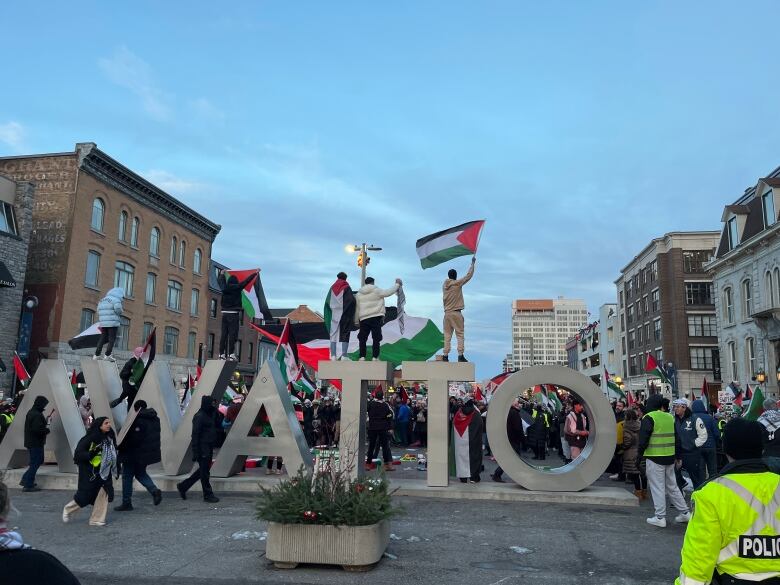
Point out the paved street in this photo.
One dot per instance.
(435, 541)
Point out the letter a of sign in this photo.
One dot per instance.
(51, 381)
(288, 440)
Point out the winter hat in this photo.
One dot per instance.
(682, 402)
(138, 352)
(770, 404)
(742, 439)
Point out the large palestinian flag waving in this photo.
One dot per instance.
(461, 240)
(252, 297)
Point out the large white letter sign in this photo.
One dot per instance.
(354, 377)
(597, 454)
(103, 386)
(52, 381)
(288, 441)
(437, 376)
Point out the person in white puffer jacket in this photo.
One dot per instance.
(370, 314)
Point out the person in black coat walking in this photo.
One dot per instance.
(36, 428)
(380, 421)
(204, 437)
(231, 312)
(515, 434)
(139, 448)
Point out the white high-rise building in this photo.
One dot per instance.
(540, 329)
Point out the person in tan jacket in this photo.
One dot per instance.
(452, 291)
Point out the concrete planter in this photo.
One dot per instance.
(353, 547)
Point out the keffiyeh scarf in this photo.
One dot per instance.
(108, 465)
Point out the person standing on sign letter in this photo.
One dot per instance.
(452, 292)
(370, 315)
(231, 312)
(339, 314)
(109, 312)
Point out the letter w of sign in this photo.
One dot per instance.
(751, 543)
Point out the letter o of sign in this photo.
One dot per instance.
(596, 455)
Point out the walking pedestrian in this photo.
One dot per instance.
(231, 308)
(633, 465)
(708, 449)
(36, 427)
(537, 432)
(467, 439)
(109, 311)
(514, 432)
(139, 448)
(96, 458)
(380, 421)
(204, 437)
(576, 429)
(370, 315)
(129, 386)
(452, 297)
(691, 435)
(402, 417)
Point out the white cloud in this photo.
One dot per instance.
(13, 134)
(173, 184)
(127, 70)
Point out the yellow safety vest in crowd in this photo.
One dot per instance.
(8, 418)
(619, 440)
(735, 529)
(662, 440)
(545, 417)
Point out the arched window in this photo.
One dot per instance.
(747, 299)
(134, 232)
(123, 226)
(769, 295)
(728, 305)
(182, 253)
(154, 242)
(196, 260)
(173, 250)
(98, 212)
(776, 273)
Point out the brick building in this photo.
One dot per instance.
(96, 225)
(16, 213)
(666, 307)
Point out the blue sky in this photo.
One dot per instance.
(579, 130)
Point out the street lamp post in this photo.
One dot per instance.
(363, 258)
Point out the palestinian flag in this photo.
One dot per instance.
(630, 400)
(540, 396)
(87, 339)
(420, 340)
(147, 357)
(756, 407)
(21, 372)
(496, 381)
(478, 394)
(705, 394)
(287, 355)
(74, 383)
(614, 389)
(466, 443)
(748, 393)
(553, 396)
(252, 297)
(654, 369)
(339, 299)
(443, 246)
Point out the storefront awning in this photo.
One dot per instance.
(6, 280)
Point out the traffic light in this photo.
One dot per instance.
(360, 260)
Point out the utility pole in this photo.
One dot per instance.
(363, 258)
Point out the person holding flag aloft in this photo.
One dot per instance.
(452, 294)
(231, 306)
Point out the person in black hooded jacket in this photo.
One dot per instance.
(35, 430)
(231, 312)
(139, 448)
(204, 437)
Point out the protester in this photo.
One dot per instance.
(402, 420)
(616, 465)
(269, 470)
(657, 446)
(109, 311)
(732, 535)
(6, 417)
(467, 437)
(380, 421)
(129, 387)
(690, 435)
(139, 448)
(85, 410)
(576, 429)
(231, 308)
(36, 428)
(421, 424)
(709, 460)
(633, 465)
(770, 425)
(452, 296)
(370, 315)
(341, 307)
(96, 458)
(308, 422)
(565, 449)
(537, 432)
(515, 434)
(204, 437)
(20, 564)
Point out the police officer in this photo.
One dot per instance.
(734, 535)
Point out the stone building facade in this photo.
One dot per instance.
(16, 220)
(96, 225)
(597, 347)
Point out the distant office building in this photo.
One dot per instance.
(596, 347)
(540, 329)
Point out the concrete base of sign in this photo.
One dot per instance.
(51, 479)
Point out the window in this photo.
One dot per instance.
(8, 219)
(154, 242)
(769, 291)
(728, 305)
(659, 356)
(134, 232)
(733, 233)
(148, 327)
(213, 307)
(655, 300)
(698, 293)
(702, 326)
(197, 259)
(768, 202)
(194, 298)
(631, 340)
(701, 358)
(645, 306)
(123, 277)
(123, 334)
(694, 260)
(93, 269)
(653, 270)
(639, 335)
(750, 350)
(151, 286)
(238, 350)
(191, 336)
(629, 288)
(622, 323)
(173, 250)
(98, 212)
(87, 319)
(182, 253)
(776, 273)
(732, 355)
(171, 341)
(174, 295)
(250, 357)
(647, 331)
(638, 306)
(747, 299)
(632, 366)
(620, 296)
(210, 345)
(630, 314)
(123, 226)
(657, 330)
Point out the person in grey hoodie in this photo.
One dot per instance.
(770, 426)
(109, 311)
